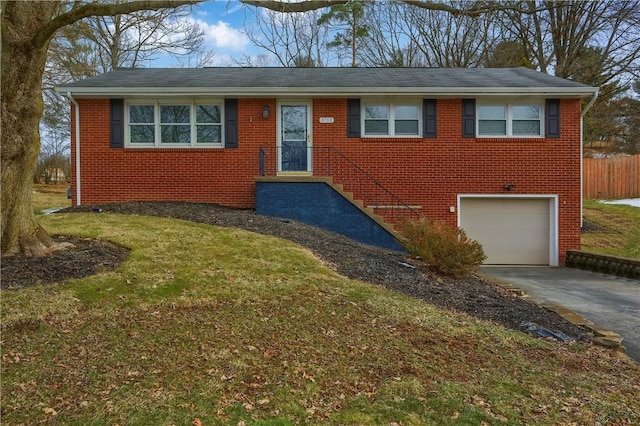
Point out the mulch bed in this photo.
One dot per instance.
(472, 295)
(89, 257)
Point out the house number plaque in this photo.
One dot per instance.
(326, 120)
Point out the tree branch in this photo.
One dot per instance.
(430, 5)
(478, 8)
(302, 6)
(101, 9)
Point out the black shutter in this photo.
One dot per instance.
(468, 118)
(353, 118)
(552, 124)
(231, 123)
(429, 118)
(117, 123)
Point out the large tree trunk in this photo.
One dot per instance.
(22, 68)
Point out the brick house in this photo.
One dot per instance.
(496, 151)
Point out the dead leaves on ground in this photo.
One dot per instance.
(317, 356)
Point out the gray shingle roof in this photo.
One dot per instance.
(325, 81)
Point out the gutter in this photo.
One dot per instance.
(77, 118)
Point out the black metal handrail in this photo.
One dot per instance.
(330, 162)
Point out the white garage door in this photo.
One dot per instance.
(512, 231)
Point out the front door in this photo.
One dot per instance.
(294, 137)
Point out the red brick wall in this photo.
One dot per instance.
(426, 172)
(432, 172)
(223, 176)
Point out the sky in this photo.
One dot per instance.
(223, 24)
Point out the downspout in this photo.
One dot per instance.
(590, 104)
(582, 114)
(77, 119)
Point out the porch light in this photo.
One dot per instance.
(265, 111)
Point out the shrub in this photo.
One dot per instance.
(441, 246)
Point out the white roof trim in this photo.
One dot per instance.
(329, 91)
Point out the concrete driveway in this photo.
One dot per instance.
(610, 302)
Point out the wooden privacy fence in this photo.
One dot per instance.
(611, 178)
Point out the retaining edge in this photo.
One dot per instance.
(605, 264)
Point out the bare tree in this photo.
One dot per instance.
(202, 58)
(261, 60)
(387, 43)
(292, 39)
(137, 38)
(55, 131)
(53, 162)
(449, 40)
(556, 34)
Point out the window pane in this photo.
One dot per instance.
(526, 112)
(526, 127)
(376, 111)
(209, 134)
(492, 127)
(142, 134)
(376, 127)
(406, 127)
(175, 134)
(174, 113)
(492, 112)
(141, 114)
(407, 112)
(207, 114)
(294, 122)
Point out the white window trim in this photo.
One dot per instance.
(509, 118)
(157, 103)
(127, 127)
(392, 116)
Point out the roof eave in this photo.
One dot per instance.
(78, 91)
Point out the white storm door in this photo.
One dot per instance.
(294, 134)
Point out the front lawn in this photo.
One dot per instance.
(209, 325)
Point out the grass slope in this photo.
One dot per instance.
(618, 229)
(220, 326)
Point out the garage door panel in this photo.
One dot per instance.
(511, 231)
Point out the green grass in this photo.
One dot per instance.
(619, 229)
(220, 326)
